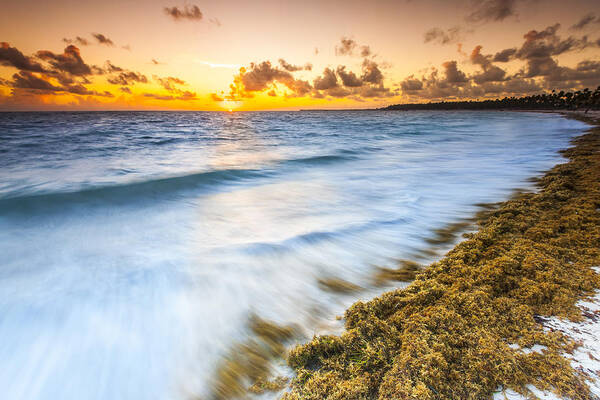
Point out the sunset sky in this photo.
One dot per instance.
(243, 55)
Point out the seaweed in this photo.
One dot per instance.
(406, 271)
(337, 285)
(458, 331)
(247, 366)
(263, 385)
(448, 233)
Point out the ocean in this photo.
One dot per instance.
(135, 246)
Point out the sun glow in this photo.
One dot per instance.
(230, 105)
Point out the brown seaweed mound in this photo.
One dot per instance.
(447, 335)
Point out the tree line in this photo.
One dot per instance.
(579, 100)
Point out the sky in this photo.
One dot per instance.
(289, 55)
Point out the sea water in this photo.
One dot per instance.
(134, 246)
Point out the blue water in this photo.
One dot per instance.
(134, 246)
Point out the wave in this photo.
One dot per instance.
(123, 194)
(325, 159)
(316, 237)
(166, 141)
(151, 188)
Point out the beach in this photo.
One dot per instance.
(206, 246)
(283, 200)
(512, 311)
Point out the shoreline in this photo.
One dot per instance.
(422, 361)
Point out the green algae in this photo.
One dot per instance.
(448, 335)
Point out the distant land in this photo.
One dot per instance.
(579, 100)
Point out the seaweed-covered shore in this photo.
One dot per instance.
(472, 324)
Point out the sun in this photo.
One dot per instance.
(230, 106)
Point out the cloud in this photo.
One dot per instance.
(492, 10)
(293, 68)
(538, 52)
(259, 77)
(452, 73)
(110, 68)
(103, 39)
(411, 84)
(186, 96)
(62, 74)
(191, 13)
(586, 73)
(70, 61)
(66, 73)
(338, 92)
(38, 84)
(539, 49)
(349, 79)
(169, 83)
(327, 81)
(540, 46)
(371, 72)
(491, 72)
(216, 97)
(450, 83)
(372, 91)
(299, 87)
(511, 86)
(346, 47)
(584, 21)
(82, 90)
(215, 21)
(78, 40)
(479, 59)
(28, 80)
(11, 56)
(22, 99)
(504, 55)
(100, 38)
(483, 11)
(453, 84)
(440, 36)
(333, 83)
(128, 78)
